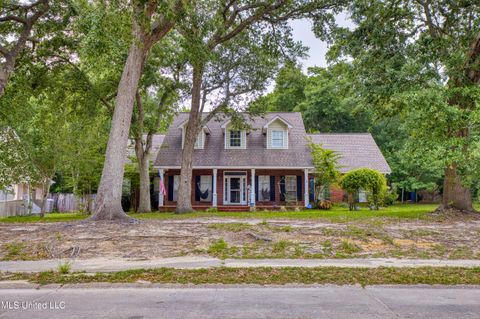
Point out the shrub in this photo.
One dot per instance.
(212, 210)
(325, 204)
(327, 170)
(390, 197)
(372, 181)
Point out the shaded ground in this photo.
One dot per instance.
(455, 237)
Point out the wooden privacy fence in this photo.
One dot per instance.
(65, 203)
(13, 208)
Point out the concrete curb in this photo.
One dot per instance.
(199, 262)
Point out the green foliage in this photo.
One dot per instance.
(369, 180)
(326, 98)
(390, 197)
(14, 163)
(13, 250)
(56, 126)
(332, 100)
(415, 66)
(349, 247)
(331, 103)
(325, 163)
(289, 90)
(64, 268)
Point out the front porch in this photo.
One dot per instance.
(240, 189)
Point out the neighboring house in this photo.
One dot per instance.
(157, 140)
(15, 198)
(20, 192)
(266, 166)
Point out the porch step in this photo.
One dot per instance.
(225, 208)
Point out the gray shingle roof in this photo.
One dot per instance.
(256, 155)
(356, 150)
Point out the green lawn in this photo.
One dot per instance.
(49, 218)
(336, 214)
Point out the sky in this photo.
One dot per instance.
(302, 31)
(317, 49)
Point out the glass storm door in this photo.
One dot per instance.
(235, 190)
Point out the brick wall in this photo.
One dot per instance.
(336, 194)
(220, 184)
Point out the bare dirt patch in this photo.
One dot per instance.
(234, 238)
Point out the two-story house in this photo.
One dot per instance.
(267, 166)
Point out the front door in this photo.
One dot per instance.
(235, 188)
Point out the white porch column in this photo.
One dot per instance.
(214, 186)
(160, 194)
(306, 194)
(252, 188)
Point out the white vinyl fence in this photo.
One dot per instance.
(62, 203)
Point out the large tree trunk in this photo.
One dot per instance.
(108, 204)
(455, 195)
(184, 202)
(109, 196)
(4, 75)
(144, 205)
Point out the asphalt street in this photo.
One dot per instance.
(242, 302)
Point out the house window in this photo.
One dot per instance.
(205, 188)
(176, 185)
(277, 139)
(235, 138)
(291, 187)
(263, 188)
(362, 196)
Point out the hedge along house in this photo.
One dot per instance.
(266, 166)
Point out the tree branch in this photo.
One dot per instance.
(102, 99)
(13, 18)
(472, 68)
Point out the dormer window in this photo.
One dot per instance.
(201, 137)
(276, 132)
(278, 139)
(235, 139)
